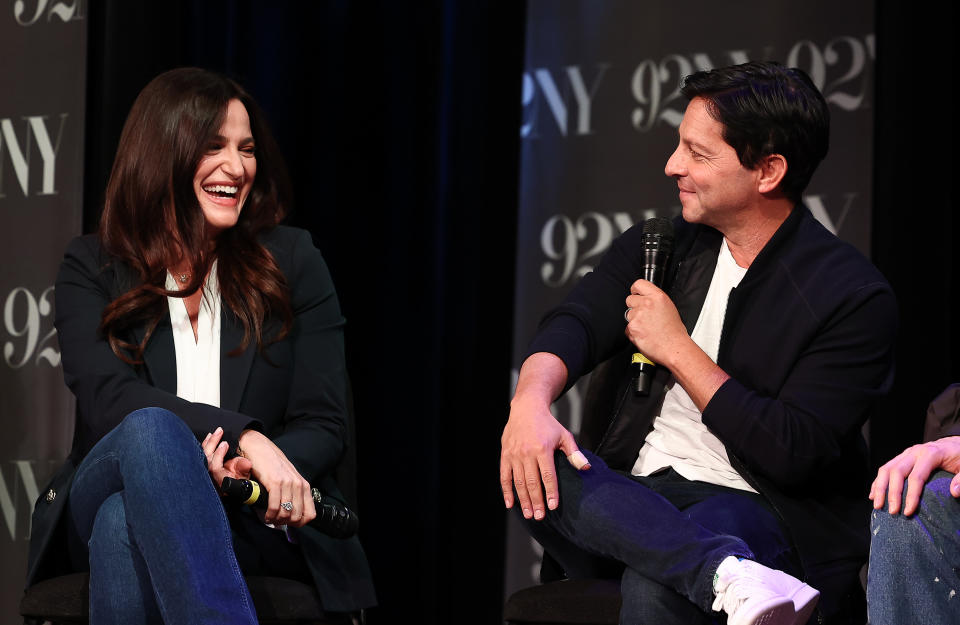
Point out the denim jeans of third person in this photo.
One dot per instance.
(666, 534)
(146, 515)
(914, 571)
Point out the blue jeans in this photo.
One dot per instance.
(157, 538)
(914, 573)
(665, 533)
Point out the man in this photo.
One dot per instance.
(914, 574)
(773, 337)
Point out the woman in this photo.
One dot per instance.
(201, 340)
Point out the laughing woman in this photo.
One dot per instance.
(201, 340)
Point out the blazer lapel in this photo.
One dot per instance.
(160, 357)
(234, 370)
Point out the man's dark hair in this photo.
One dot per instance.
(767, 108)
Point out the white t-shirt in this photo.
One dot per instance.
(198, 360)
(679, 438)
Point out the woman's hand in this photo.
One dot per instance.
(215, 450)
(280, 478)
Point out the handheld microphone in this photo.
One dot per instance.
(333, 517)
(657, 246)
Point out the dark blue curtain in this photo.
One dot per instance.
(915, 238)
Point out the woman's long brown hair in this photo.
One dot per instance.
(151, 212)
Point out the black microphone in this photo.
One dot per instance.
(334, 518)
(657, 246)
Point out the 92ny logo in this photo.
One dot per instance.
(562, 99)
(29, 13)
(28, 322)
(34, 140)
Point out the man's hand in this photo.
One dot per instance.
(653, 323)
(655, 327)
(531, 437)
(915, 465)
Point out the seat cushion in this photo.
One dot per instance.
(279, 599)
(567, 602)
(64, 599)
(61, 599)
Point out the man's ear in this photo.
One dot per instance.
(773, 168)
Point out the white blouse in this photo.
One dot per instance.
(198, 360)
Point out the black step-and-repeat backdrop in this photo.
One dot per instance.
(601, 107)
(42, 91)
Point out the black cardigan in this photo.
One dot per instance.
(808, 341)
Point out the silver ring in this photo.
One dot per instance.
(287, 505)
(625, 313)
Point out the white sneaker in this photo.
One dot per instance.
(752, 594)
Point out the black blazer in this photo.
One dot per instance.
(294, 392)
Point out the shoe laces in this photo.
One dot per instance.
(737, 589)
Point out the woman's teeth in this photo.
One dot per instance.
(220, 189)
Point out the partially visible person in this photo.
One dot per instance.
(202, 340)
(914, 570)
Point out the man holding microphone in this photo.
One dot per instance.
(742, 470)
